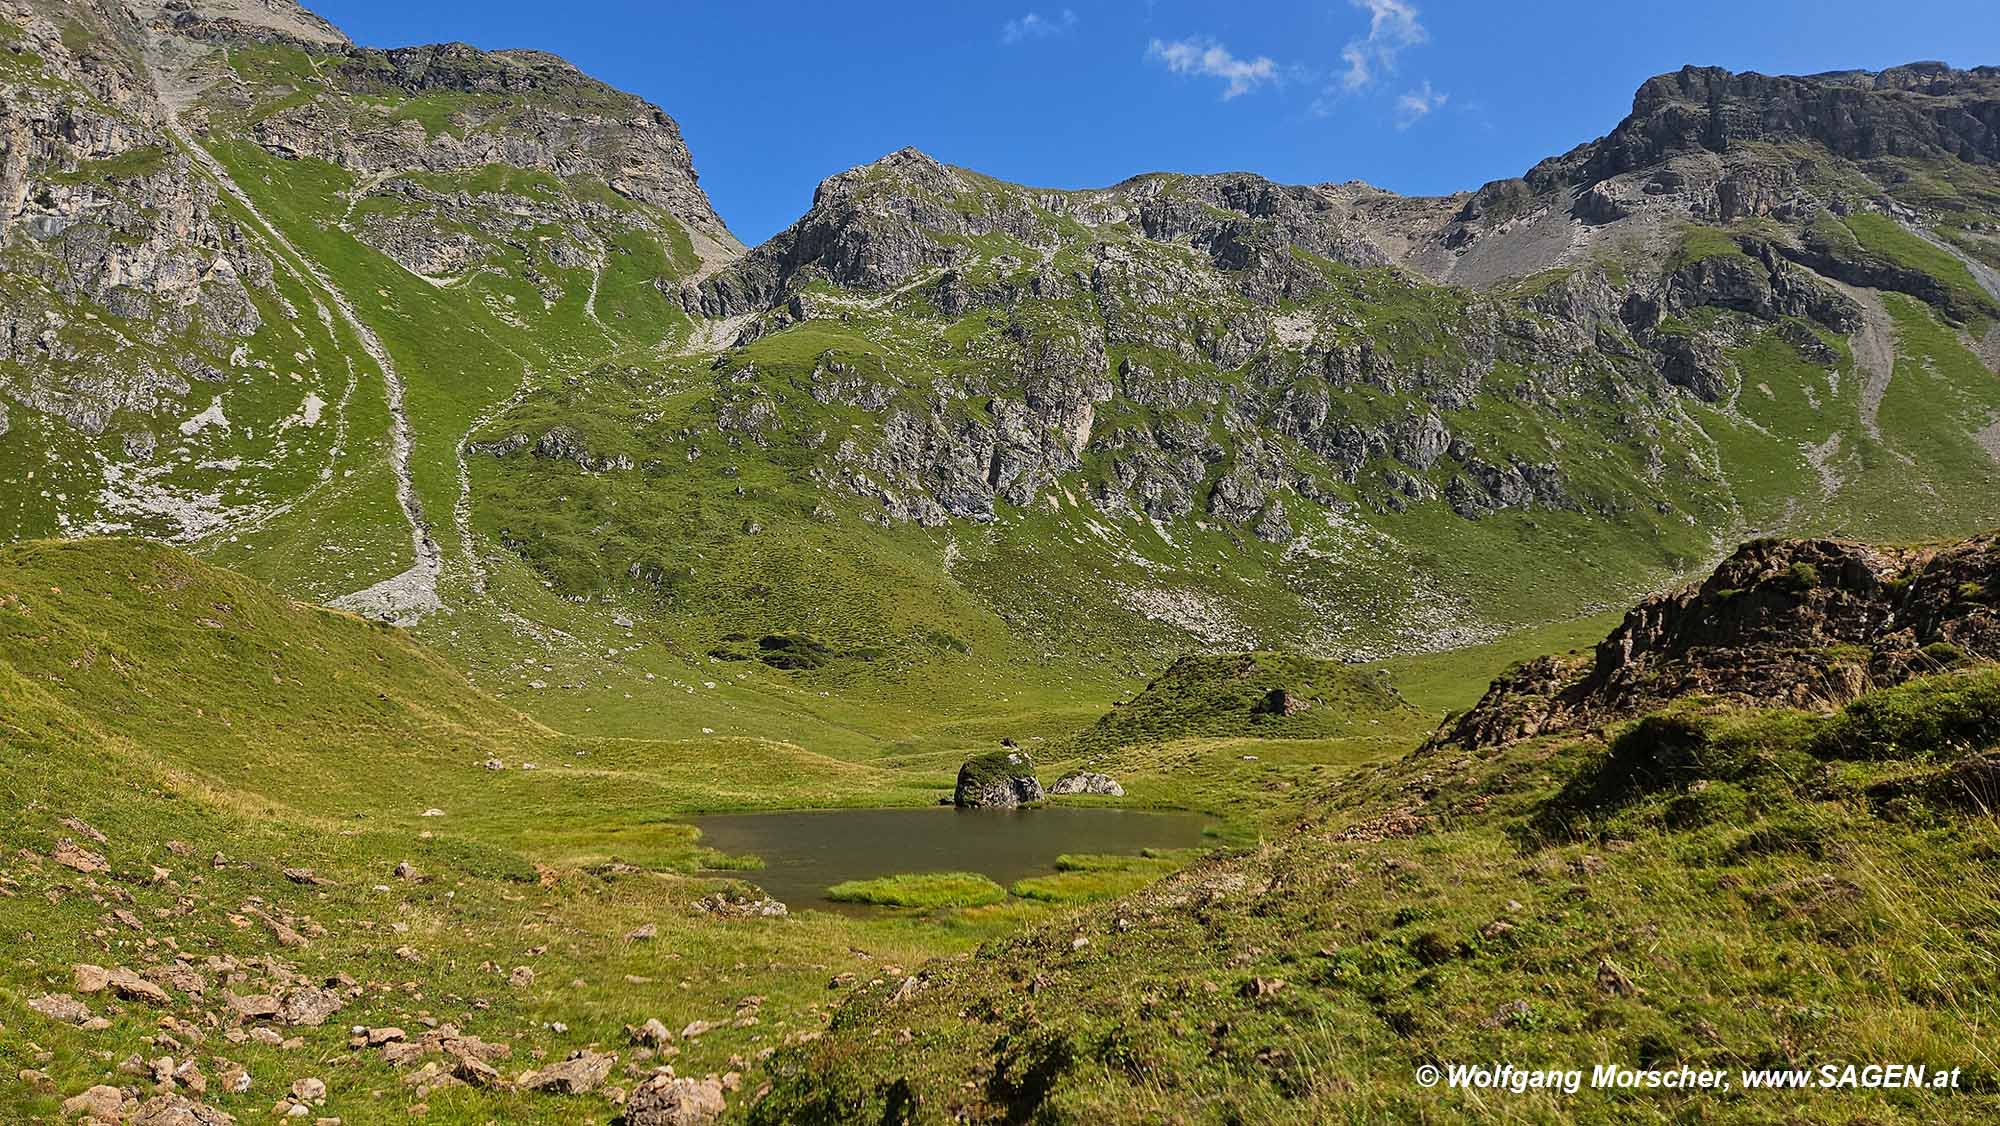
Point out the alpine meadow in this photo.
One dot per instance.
(479, 643)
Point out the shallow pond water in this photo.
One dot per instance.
(807, 851)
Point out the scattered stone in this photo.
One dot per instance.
(651, 1033)
(284, 932)
(100, 1102)
(78, 825)
(1258, 988)
(69, 854)
(580, 1074)
(476, 1072)
(179, 1110)
(123, 982)
(1612, 980)
(254, 1006)
(732, 905)
(380, 1036)
(309, 1005)
(1087, 782)
(664, 1100)
(433, 1076)
(179, 975)
(62, 1007)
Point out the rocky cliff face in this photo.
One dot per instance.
(521, 109)
(1808, 623)
(153, 330)
(100, 216)
(1924, 111)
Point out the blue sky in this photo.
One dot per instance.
(1419, 96)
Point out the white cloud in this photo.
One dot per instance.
(1209, 59)
(1416, 104)
(1392, 26)
(1035, 25)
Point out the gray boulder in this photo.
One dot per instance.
(1004, 779)
(1087, 782)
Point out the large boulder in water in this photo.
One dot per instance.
(1004, 779)
(1087, 782)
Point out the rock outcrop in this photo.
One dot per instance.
(1807, 623)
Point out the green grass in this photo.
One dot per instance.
(926, 890)
(1698, 242)
(1751, 909)
(1885, 236)
(1090, 879)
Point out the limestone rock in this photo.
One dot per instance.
(178, 1110)
(1087, 782)
(69, 854)
(668, 1101)
(99, 1102)
(577, 1075)
(309, 1006)
(1809, 624)
(61, 1007)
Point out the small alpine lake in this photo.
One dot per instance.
(807, 851)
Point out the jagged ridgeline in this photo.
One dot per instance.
(435, 328)
(1329, 416)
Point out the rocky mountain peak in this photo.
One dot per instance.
(1922, 110)
(903, 172)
